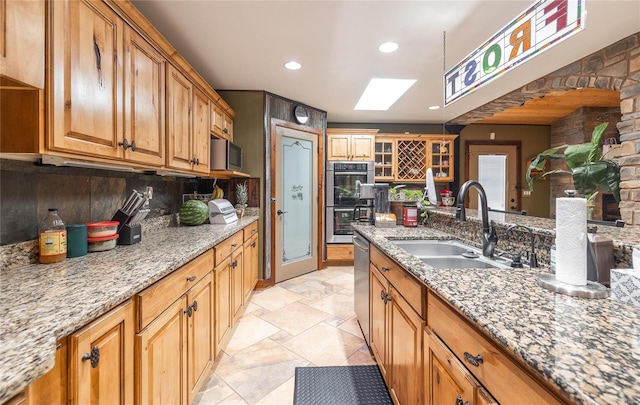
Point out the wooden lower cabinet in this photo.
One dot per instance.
(250, 266)
(223, 318)
(200, 342)
(237, 291)
(101, 359)
(447, 381)
(51, 388)
(161, 368)
(396, 340)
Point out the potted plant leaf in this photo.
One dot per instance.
(591, 171)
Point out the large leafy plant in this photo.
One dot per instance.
(590, 170)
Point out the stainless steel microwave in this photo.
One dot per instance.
(225, 155)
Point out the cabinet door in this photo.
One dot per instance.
(250, 266)
(101, 360)
(201, 140)
(179, 122)
(484, 398)
(412, 160)
(378, 319)
(22, 46)
(217, 121)
(144, 96)
(446, 379)
(384, 158)
(51, 388)
(86, 83)
(223, 319)
(237, 295)
(362, 147)
(405, 350)
(162, 360)
(200, 345)
(441, 159)
(338, 147)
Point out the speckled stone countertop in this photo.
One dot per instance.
(589, 350)
(42, 303)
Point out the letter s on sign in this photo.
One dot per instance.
(470, 73)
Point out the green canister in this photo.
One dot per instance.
(76, 240)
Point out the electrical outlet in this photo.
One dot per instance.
(526, 193)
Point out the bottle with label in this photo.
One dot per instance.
(53, 238)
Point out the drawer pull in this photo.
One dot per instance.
(459, 401)
(94, 356)
(473, 360)
(385, 269)
(234, 244)
(191, 278)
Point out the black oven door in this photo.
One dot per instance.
(344, 188)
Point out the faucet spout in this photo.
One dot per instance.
(533, 258)
(489, 236)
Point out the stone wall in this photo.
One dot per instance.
(616, 67)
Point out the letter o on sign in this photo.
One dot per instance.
(495, 51)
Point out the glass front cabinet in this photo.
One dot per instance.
(406, 157)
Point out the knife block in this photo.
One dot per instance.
(122, 218)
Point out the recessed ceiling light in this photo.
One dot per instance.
(388, 47)
(434, 107)
(292, 65)
(380, 94)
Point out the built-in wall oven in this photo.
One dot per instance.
(341, 197)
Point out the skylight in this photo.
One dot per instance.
(380, 94)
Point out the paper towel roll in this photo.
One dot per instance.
(571, 240)
(636, 259)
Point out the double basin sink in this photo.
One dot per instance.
(450, 254)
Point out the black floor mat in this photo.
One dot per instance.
(343, 385)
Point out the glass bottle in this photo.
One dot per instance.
(53, 238)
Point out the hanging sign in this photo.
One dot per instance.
(544, 24)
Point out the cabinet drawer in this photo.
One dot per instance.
(411, 289)
(250, 230)
(224, 248)
(155, 299)
(506, 381)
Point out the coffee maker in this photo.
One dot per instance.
(365, 197)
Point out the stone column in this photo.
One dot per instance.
(629, 129)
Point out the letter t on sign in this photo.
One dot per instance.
(560, 14)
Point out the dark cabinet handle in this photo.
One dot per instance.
(191, 278)
(382, 295)
(234, 245)
(234, 264)
(188, 311)
(194, 305)
(94, 356)
(459, 401)
(385, 269)
(225, 130)
(126, 145)
(195, 161)
(253, 244)
(473, 360)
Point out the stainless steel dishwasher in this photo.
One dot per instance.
(361, 282)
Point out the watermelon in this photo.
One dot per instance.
(194, 212)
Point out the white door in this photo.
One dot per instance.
(296, 186)
(509, 190)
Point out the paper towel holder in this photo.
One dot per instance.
(590, 290)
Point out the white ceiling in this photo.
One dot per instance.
(242, 45)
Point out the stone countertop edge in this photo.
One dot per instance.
(586, 349)
(43, 303)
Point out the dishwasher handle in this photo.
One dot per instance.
(357, 242)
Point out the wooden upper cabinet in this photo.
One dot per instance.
(86, 83)
(441, 159)
(144, 97)
(351, 144)
(201, 139)
(22, 41)
(221, 123)
(179, 121)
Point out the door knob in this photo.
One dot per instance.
(280, 212)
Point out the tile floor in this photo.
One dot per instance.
(305, 321)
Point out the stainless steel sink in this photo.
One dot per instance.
(458, 262)
(432, 247)
(450, 254)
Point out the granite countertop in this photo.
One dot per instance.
(588, 348)
(43, 303)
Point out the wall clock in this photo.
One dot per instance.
(301, 114)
